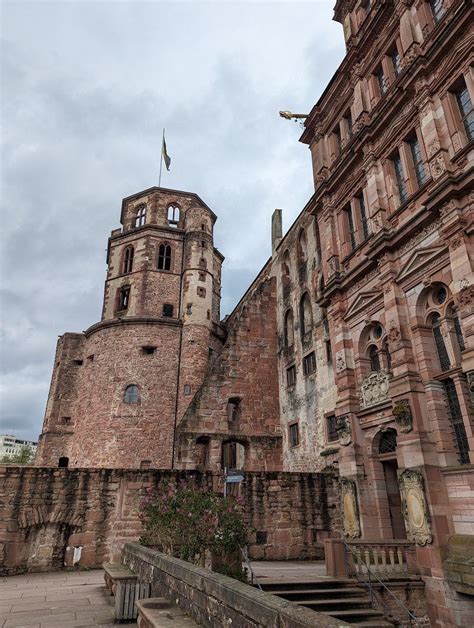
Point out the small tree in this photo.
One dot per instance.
(187, 522)
(25, 456)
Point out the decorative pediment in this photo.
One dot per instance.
(419, 259)
(362, 301)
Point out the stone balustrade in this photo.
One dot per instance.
(386, 559)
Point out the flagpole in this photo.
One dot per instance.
(161, 160)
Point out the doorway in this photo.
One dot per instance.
(387, 450)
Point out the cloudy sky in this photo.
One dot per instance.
(86, 88)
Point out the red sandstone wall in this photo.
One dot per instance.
(246, 369)
(44, 511)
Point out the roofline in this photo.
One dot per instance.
(156, 188)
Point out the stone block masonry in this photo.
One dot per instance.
(51, 517)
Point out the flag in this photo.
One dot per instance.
(166, 157)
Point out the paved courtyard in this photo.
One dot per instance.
(56, 600)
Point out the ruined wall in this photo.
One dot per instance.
(45, 513)
(246, 372)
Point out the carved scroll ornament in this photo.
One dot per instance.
(350, 510)
(403, 416)
(414, 507)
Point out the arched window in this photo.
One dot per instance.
(306, 314)
(289, 329)
(128, 260)
(439, 342)
(164, 257)
(388, 442)
(302, 247)
(374, 358)
(140, 216)
(131, 394)
(173, 215)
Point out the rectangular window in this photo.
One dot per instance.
(168, 310)
(309, 363)
(291, 376)
(456, 420)
(381, 80)
(331, 427)
(187, 390)
(419, 166)
(201, 292)
(294, 435)
(148, 350)
(78, 362)
(348, 118)
(437, 9)
(363, 216)
(124, 298)
(350, 226)
(233, 410)
(466, 109)
(328, 351)
(400, 178)
(395, 58)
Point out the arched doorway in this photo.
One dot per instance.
(386, 449)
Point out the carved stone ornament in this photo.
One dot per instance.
(403, 416)
(344, 430)
(464, 297)
(437, 167)
(374, 389)
(394, 336)
(470, 382)
(350, 509)
(433, 148)
(377, 223)
(414, 508)
(340, 361)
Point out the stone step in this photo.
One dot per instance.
(352, 602)
(355, 613)
(330, 593)
(327, 583)
(373, 623)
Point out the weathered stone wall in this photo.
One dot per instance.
(45, 513)
(214, 600)
(245, 370)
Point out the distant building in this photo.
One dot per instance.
(11, 446)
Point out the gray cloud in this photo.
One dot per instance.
(87, 88)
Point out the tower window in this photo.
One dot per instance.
(201, 292)
(140, 216)
(233, 411)
(164, 257)
(123, 298)
(66, 420)
(187, 390)
(168, 310)
(63, 462)
(189, 309)
(173, 215)
(127, 260)
(294, 434)
(148, 350)
(131, 394)
(78, 362)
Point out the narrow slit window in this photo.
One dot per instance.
(128, 260)
(294, 434)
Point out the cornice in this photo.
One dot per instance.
(132, 320)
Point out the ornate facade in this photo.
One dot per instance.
(352, 352)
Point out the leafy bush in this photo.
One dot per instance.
(187, 522)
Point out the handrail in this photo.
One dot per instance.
(370, 572)
(252, 573)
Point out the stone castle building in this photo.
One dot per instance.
(352, 352)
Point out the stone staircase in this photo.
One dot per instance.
(338, 598)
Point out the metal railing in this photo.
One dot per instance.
(249, 567)
(369, 577)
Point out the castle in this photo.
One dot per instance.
(353, 349)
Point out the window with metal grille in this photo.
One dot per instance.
(164, 257)
(400, 177)
(459, 334)
(291, 376)
(309, 363)
(457, 424)
(350, 226)
(466, 110)
(374, 358)
(395, 57)
(128, 260)
(420, 170)
(439, 342)
(388, 442)
(363, 216)
(331, 426)
(437, 9)
(381, 81)
(294, 434)
(131, 394)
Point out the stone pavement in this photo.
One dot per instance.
(56, 600)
